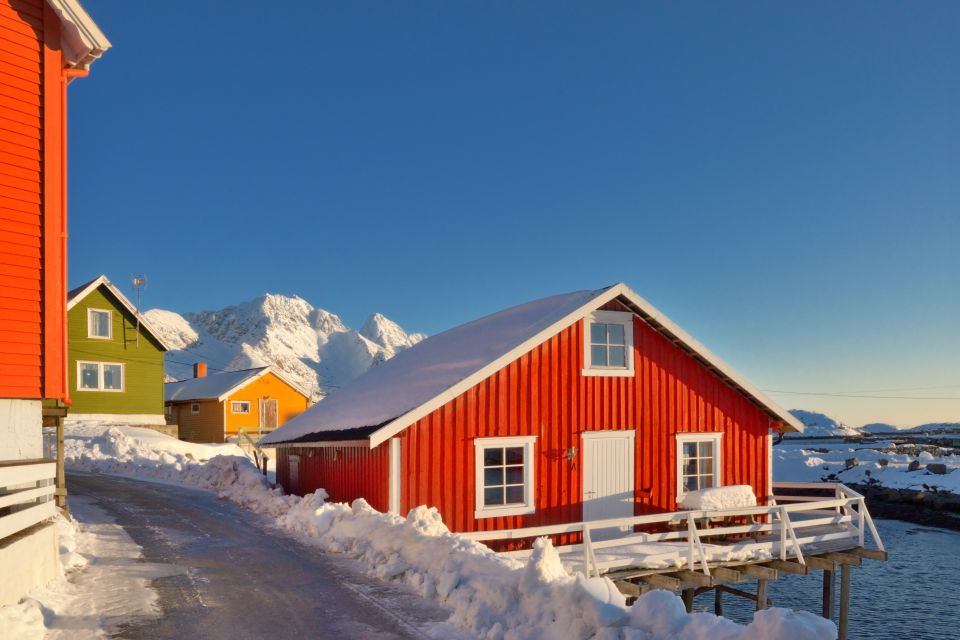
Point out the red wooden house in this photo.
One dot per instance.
(582, 406)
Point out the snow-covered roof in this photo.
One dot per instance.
(218, 386)
(76, 295)
(395, 394)
(81, 38)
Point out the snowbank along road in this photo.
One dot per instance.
(241, 580)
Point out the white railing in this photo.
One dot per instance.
(26, 494)
(788, 523)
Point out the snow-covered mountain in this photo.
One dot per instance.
(311, 346)
(879, 427)
(819, 425)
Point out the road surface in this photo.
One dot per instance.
(242, 580)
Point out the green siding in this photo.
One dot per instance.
(143, 363)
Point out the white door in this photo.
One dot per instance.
(608, 479)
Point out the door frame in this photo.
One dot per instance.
(607, 434)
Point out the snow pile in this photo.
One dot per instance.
(493, 596)
(819, 425)
(876, 463)
(731, 497)
(311, 346)
(147, 454)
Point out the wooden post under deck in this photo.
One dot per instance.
(761, 593)
(53, 416)
(688, 599)
(828, 594)
(844, 600)
(718, 601)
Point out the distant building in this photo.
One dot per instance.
(115, 358)
(46, 44)
(216, 407)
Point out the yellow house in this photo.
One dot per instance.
(216, 407)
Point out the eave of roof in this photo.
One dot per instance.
(76, 295)
(81, 39)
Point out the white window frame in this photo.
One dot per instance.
(100, 365)
(529, 503)
(624, 318)
(233, 407)
(195, 411)
(90, 334)
(685, 438)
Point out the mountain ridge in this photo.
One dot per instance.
(311, 346)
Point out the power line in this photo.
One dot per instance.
(854, 395)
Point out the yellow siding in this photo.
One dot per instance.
(290, 403)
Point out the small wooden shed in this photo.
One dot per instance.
(218, 406)
(582, 406)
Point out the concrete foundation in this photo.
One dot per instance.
(28, 560)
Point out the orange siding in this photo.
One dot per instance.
(32, 203)
(290, 403)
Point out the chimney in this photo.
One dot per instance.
(200, 370)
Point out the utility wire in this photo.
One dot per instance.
(855, 395)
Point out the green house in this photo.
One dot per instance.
(115, 358)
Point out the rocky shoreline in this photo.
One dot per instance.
(929, 508)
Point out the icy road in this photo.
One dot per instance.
(239, 579)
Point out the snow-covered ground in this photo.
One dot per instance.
(490, 595)
(105, 584)
(814, 462)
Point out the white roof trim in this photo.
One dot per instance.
(646, 311)
(81, 38)
(103, 280)
(246, 381)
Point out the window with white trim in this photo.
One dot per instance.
(195, 408)
(241, 406)
(99, 376)
(608, 344)
(504, 476)
(99, 324)
(698, 461)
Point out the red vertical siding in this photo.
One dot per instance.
(346, 473)
(32, 219)
(543, 393)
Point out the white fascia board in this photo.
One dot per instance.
(104, 281)
(240, 385)
(81, 39)
(648, 312)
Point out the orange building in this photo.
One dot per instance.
(216, 407)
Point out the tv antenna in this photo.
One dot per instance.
(139, 283)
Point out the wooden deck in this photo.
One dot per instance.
(805, 527)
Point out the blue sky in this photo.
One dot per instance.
(781, 180)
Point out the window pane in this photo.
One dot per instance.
(598, 356)
(514, 455)
(493, 456)
(690, 467)
(706, 481)
(100, 323)
(493, 496)
(514, 475)
(689, 449)
(690, 483)
(706, 449)
(598, 333)
(706, 466)
(493, 477)
(515, 495)
(615, 334)
(112, 376)
(618, 357)
(89, 376)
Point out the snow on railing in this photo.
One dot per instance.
(26, 494)
(845, 513)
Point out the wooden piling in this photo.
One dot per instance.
(844, 600)
(761, 594)
(688, 599)
(828, 594)
(718, 601)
